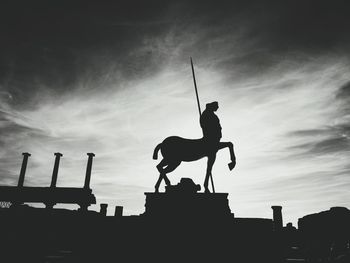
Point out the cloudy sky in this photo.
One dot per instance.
(114, 78)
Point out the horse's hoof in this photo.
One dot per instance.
(156, 190)
(231, 165)
(206, 191)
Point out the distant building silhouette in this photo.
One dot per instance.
(326, 235)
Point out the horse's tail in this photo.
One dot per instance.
(156, 150)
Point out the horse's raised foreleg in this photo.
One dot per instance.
(210, 163)
(229, 145)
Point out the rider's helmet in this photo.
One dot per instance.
(212, 106)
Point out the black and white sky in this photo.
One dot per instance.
(113, 78)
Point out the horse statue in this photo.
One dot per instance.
(176, 150)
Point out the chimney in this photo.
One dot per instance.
(55, 169)
(23, 169)
(88, 170)
(118, 211)
(277, 218)
(103, 209)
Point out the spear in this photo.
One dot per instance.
(199, 110)
(195, 88)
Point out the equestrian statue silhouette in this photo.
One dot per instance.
(176, 149)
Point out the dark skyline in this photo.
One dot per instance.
(80, 77)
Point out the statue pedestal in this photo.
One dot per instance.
(183, 200)
(189, 205)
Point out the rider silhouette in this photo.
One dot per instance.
(210, 123)
(176, 149)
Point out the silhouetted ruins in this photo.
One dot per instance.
(52, 195)
(181, 224)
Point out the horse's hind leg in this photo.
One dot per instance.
(160, 168)
(156, 187)
(171, 166)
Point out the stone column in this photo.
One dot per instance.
(118, 211)
(103, 209)
(23, 169)
(277, 218)
(55, 169)
(88, 170)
